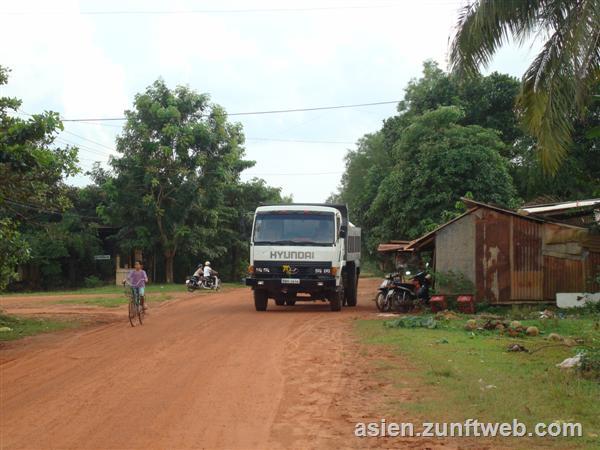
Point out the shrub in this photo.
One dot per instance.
(590, 363)
(92, 281)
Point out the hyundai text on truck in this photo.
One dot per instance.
(304, 252)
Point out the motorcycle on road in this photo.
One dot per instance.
(202, 282)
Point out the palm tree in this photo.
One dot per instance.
(558, 84)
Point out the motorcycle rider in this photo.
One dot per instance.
(210, 273)
(198, 273)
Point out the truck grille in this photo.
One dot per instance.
(298, 269)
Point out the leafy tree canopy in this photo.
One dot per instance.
(439, 162)
(32, 171)
(179, 155)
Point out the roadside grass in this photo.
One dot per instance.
(113, 302)
(111, 289)
(471, 375)
(24, 326)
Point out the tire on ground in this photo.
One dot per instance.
(335, 300)
(260, 300)
(290, 301)
(352, 286)
(280, 301)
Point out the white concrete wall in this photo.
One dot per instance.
(455, 247)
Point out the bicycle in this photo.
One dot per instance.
(132, 293)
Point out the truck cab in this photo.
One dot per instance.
(304, 252)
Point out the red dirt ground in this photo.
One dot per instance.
(204, 371)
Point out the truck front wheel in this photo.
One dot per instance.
(260, 300)
(336, 299)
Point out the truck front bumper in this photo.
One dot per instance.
(304, 284)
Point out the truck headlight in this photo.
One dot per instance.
(262, 270)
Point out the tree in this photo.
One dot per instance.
(578, 177)
(179, 153)
(557, 85)
(439, 162)
(236, 215)
(32, 173)
(63, 245)
(486, 101)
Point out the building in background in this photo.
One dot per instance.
(511, 257)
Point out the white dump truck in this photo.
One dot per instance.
(304, 252)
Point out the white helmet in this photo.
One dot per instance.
(207, 263)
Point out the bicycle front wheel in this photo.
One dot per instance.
(132, 312)
(140, 313)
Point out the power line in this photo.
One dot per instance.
(46, 211)
(294, 174)
(82, 147)
(252, 113)
(303, 141)
(89, 140)
(203, 11)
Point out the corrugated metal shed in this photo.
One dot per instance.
(526, 259)
(515, 258)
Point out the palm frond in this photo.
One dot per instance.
(556, 87)
(484, 25)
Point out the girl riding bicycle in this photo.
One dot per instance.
(137, 279)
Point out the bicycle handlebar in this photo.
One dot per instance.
(126, 282)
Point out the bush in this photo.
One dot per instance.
(590, 363)
(92, 281)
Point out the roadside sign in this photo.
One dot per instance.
(101, 257)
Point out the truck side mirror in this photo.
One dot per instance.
(343, 231)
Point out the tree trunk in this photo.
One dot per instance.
(169, 259)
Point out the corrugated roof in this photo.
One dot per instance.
(560, 206)
(393, 246)
(474, 205)
(423, 239)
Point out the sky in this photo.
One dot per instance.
(88, 59)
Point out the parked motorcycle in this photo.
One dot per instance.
(397, 295)
(203, 282)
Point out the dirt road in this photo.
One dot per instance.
(202, 372)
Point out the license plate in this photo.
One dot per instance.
(290, 281)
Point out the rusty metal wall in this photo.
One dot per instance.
(527, 273)
(562, 275)
(592, 270)
(492, 256)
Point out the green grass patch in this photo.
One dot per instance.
(471, 375)
(16, 327)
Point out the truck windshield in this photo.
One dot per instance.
(294, 228)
